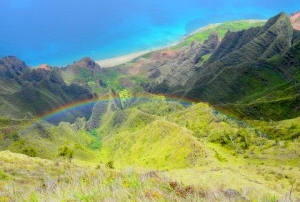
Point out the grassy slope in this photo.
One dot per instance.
(144, 148)
(221, 29)
(261, 89)
(8, 87)
(197, 146)
(32, 179)
(281, 100)
(224, 149)
(45, 140)
(202, 148)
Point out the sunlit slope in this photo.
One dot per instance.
(175, 139)
(149, 140)
(47, 141)
(137, 115)
(196, 145)
(220, 28)
(24, 178)
(161, 144)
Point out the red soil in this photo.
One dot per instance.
(135, 69)
(295, 20)
(45, 67)
(165, 54)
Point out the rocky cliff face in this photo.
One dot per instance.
(228, 63)
(255, 43)
(45, 67)
(27, 91)
(242, 73)
(102, 107)
(87, 63)
(172, 70)
(295, 20)
(13, 63)
(80, 71)
(248, 64)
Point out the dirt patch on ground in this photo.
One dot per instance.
(135, 69)
(165, 54)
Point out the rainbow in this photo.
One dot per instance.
(89, 103)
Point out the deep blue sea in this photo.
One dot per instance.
(60, 32)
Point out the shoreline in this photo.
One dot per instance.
(115, 61)
(112, 62)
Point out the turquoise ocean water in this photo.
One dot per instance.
(60, 32)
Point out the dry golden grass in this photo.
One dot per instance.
(24, 178)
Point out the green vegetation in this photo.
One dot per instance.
(178, 142)
(144, 148)
(221, 29)
(138, 146)
(60, 181)
(253, 73)
(66, 152)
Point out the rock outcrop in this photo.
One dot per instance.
(36, 90)
(14, 63)
(295, 20)
(44, 67)
(246, 73)
(221, 77)
(253, 69)
(88, 63)
(172, 70)
(85, 63)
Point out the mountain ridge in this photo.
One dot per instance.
(219, 80)
(32, 92)
(125, 140)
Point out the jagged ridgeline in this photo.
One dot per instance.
(103, 129)
(30, 92)
(192, 144)
(252, 73)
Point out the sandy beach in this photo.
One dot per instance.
(111, 62)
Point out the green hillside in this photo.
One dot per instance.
(257, 73)
(214, 118)
(144, 148)
(221, 29)
(194, 153)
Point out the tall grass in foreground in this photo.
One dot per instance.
(23, 178)
(99, 185)
(72, 183)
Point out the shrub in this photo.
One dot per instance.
(29, 152)
(110, 165)
(67, 152)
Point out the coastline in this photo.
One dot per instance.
(115, 61)
(112, 62)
